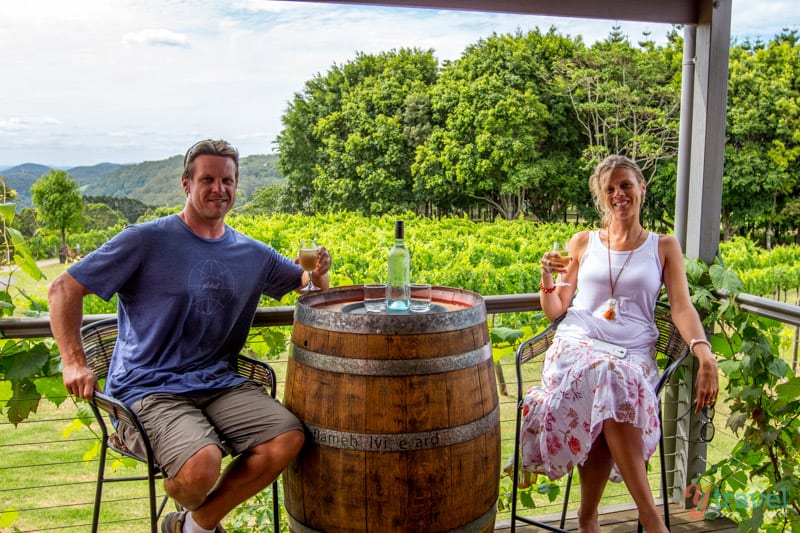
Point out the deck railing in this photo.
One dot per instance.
(59, 458)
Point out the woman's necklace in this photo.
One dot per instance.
(610, 313)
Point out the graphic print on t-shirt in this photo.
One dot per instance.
(211, 285)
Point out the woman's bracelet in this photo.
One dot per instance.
(545, 290)
(695, 342)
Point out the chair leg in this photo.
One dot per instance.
(276, 508)
(515, 470)
(98, 494)
(664, 488)
(566, 500)
(154, 511)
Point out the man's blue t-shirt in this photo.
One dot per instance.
(185, 304)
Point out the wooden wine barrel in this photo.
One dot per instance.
(401, 414)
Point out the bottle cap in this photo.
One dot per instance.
(399, 229)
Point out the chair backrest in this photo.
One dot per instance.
(670, 344)
(99, 338)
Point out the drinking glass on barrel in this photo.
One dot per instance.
(308, 261)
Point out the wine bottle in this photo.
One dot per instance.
(398, 295)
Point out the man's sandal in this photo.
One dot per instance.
(173, 523)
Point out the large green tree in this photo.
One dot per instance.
(500, 137)
(57, 198)
(761, 184)
(515, 125)
(349, 138)
(626, 99)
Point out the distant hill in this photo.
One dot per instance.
(155, 183)
(91, 175)
(21, 177)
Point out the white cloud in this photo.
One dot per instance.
(156, 37)
(17, 124)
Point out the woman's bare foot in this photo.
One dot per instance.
(588, 522)
(653, 523)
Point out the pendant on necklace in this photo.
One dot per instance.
(610, 314)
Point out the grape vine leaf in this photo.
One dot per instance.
(502, 334)
(24, 402)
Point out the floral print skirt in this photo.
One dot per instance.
(582, 387)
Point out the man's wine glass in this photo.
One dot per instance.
(308, 261)
(561, 247)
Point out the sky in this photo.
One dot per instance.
(84, 82)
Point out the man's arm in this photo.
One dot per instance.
(65, 296)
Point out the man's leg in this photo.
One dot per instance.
(196, 478)
(184, 443)
(247, 475)
(262, 434)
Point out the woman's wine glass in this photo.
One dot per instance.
(308, 261)
(561, 247)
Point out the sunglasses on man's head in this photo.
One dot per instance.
(192, 149)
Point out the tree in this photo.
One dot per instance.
(761, 183)
(626, 100)
(268, 200)
(26, 222)
(501, 137)
(59, 204)
(349, 139)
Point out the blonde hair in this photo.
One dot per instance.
(596, 182)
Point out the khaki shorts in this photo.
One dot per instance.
(235, 420)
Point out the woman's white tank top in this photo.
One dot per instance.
(635, 292)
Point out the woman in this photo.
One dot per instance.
(597, 407)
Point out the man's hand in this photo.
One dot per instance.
(320, 273)
(323, 262)
(80, 381)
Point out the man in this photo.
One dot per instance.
(188, 286)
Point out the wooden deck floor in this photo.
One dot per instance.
(622, 519)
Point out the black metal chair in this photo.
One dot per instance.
(98, 342)
(670, 348)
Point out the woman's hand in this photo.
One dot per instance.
(706, 381)
(552, 264)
